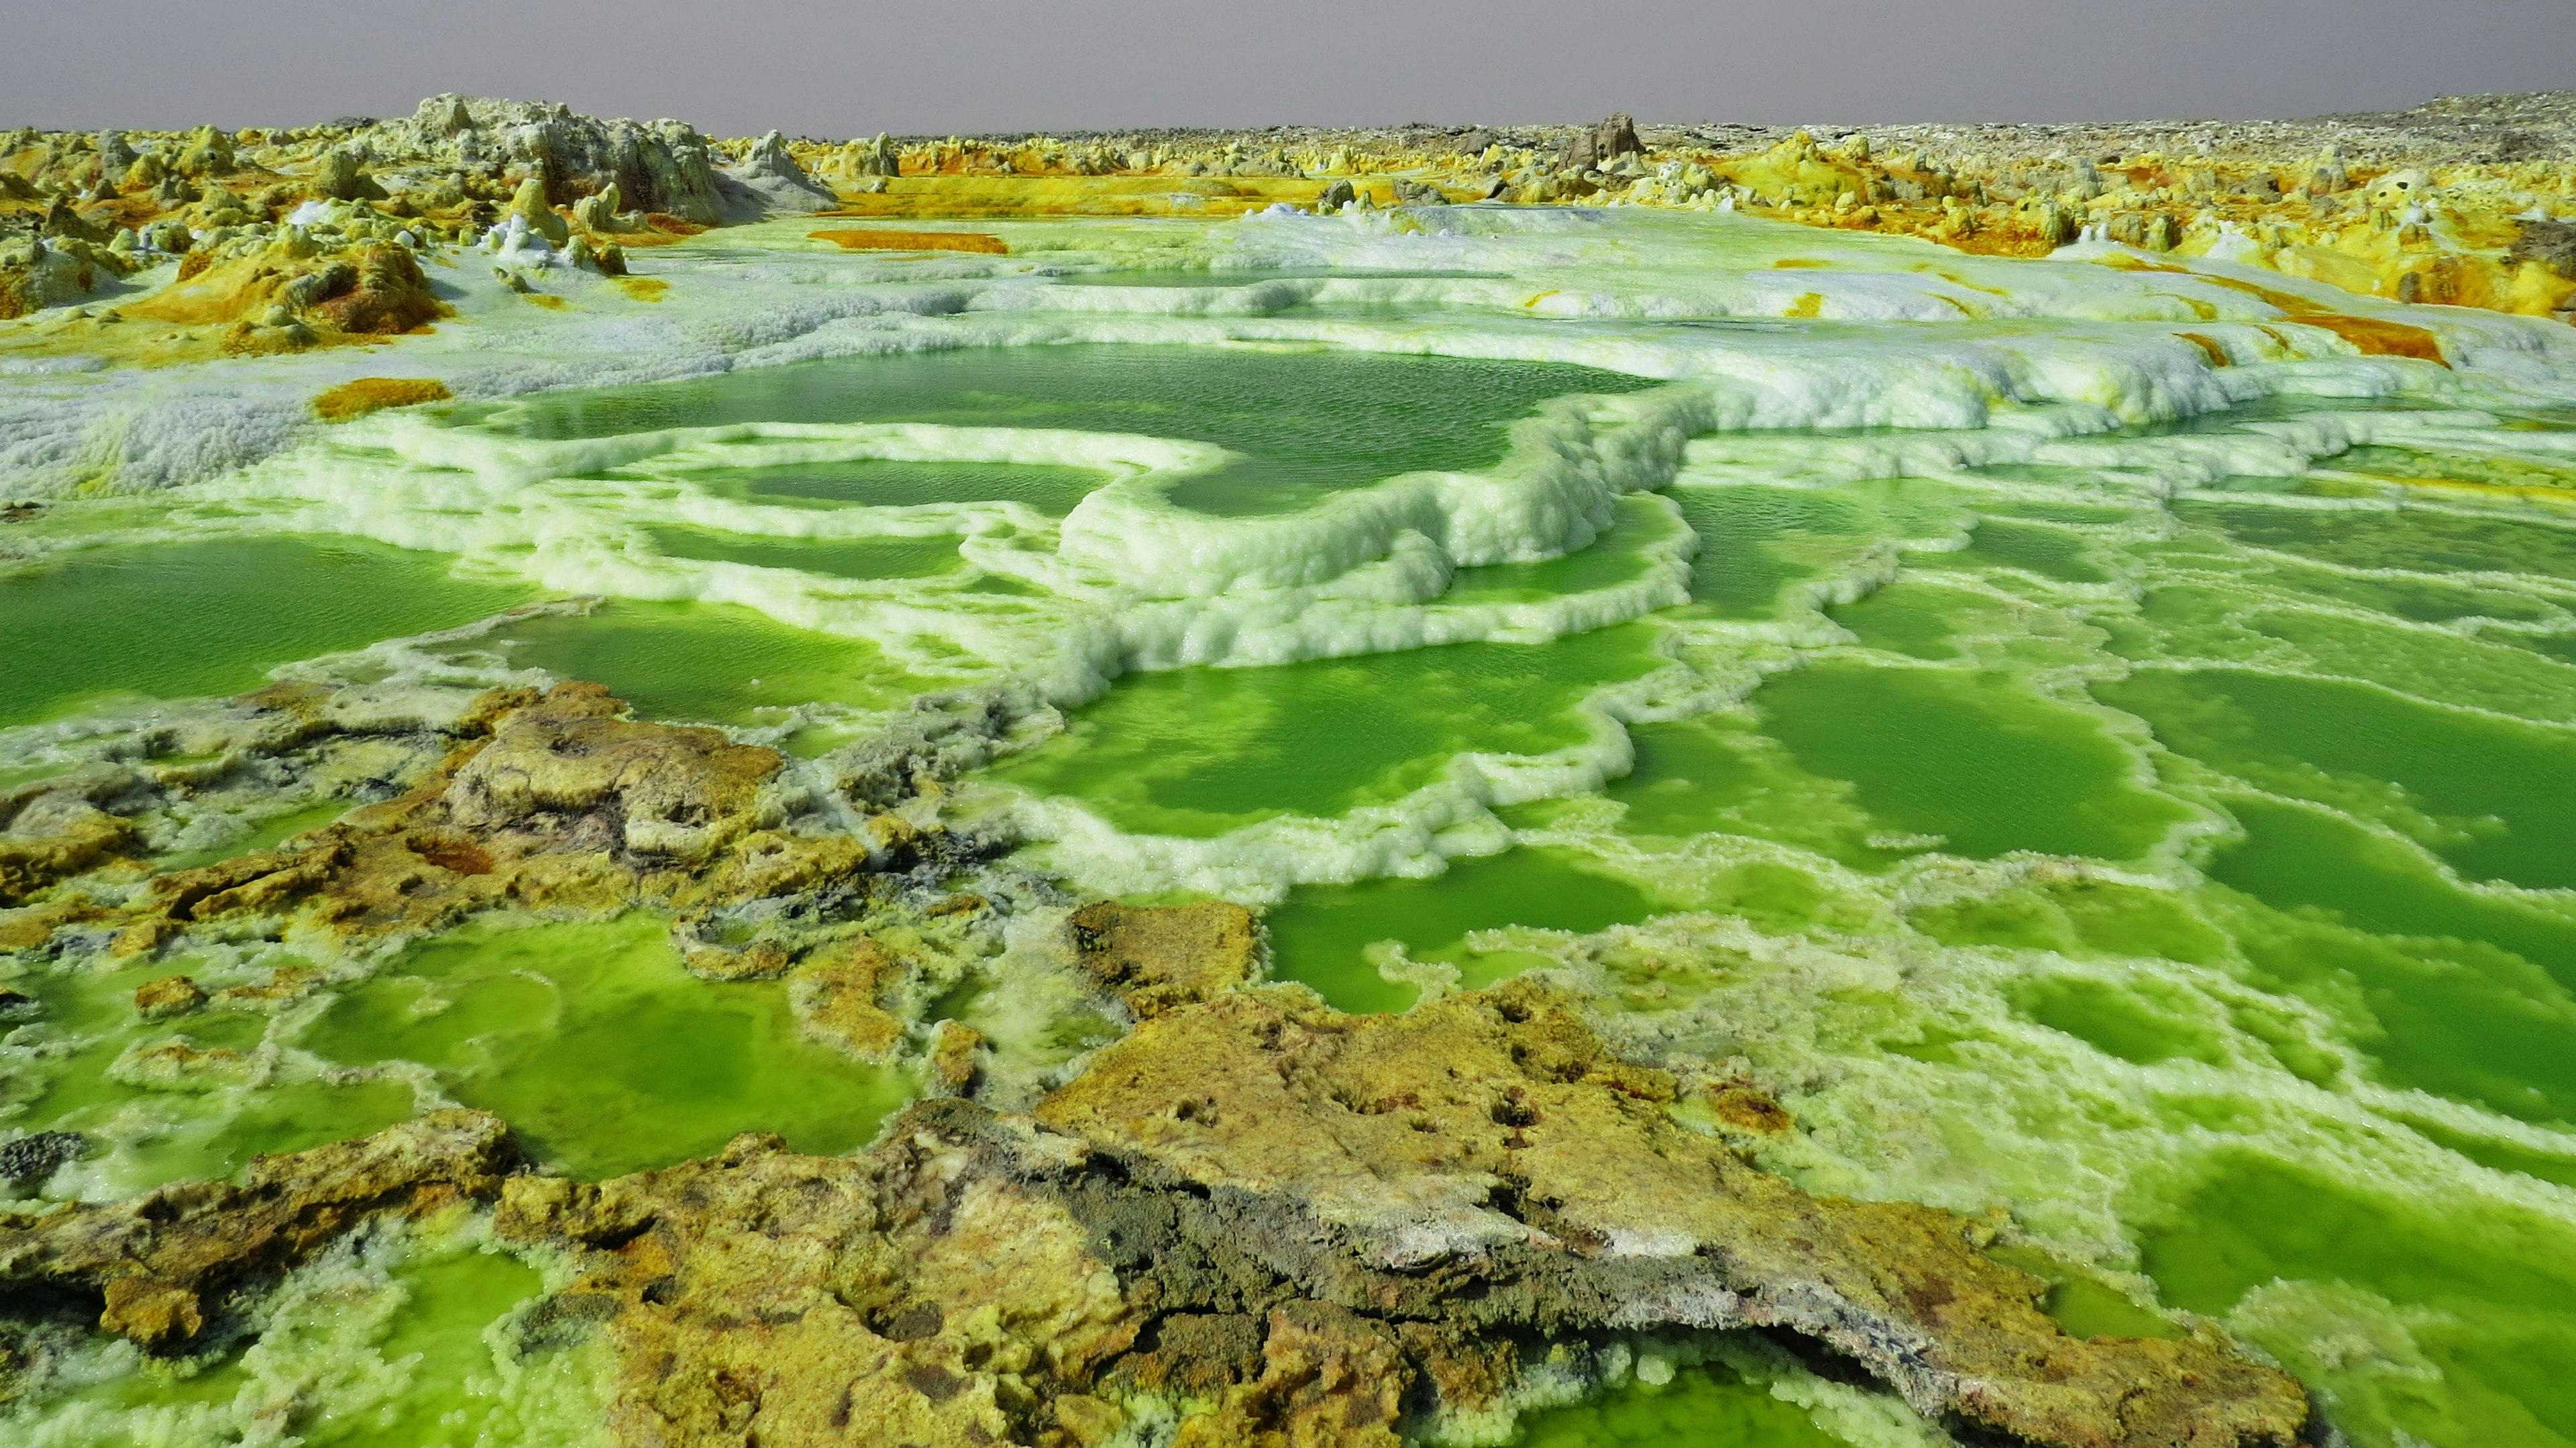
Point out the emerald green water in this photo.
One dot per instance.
(882, 483)
(602, 1053)
(865, 558)
(2489, 1294)
(2493, 797)
(709, 663)
(1201, 751)
(1974, 759)
(175, 621)
(1305, 421)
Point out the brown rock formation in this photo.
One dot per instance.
(290, 295)
(1157, 957)
(171, 995)
(1294, 1227)
(1307, 1225)
(53, 829)
(162, 1264)
(834, 992)
(540, 800)
(1491, 1139)
(1600, 144)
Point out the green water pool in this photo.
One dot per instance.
(104, 625)
(1304, 421)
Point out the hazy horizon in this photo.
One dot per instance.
(983, 66)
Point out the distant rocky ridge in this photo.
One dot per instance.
(2467, 201)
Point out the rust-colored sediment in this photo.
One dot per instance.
(858, 239)
(371, 394)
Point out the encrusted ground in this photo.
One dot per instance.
(1255, 1218)
(1279, 1223)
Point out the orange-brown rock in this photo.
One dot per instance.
(1303, 1228)
(163, 1265)
(508, 798)
(1293, 1228)
(51, 830)
(834, 992)
(172, 995)
(904, 1296)
(1494, 1127)
(1155, 957)
(363, 395)
(562, 803)
(956, 1051)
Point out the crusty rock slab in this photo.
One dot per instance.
(162, 1263)
(1293, 1228)
(1155, 957)
(1301, 1227)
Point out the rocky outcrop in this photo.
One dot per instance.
(564, 801)
(1484, 1164)
(28, 1160)
(528, 204)
(552, 800)
(55, 828)
(291, 295)
(36, 273)
(1153, 958)
(340, 177)
(768, 180)
(1598, 145)
(171, 995)
(164, 1266)
(1296, 1226)
(1269, 1221)
(662, 166)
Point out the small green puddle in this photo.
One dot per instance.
(605, 1055)
(861, 558)
(704, 663)
(2083, 1304)
(1697, 1407)
(885, 483)
(266, 834)
(2028, 547)
(1202, 751)
(1321, 935)
(1975, 759)
(163, 1122)
(1909, 617)
(181, 620)
(2130, 1023)
(1617, 557)
(397, 1357)
(1756, 541)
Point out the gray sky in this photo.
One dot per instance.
(857, 66)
